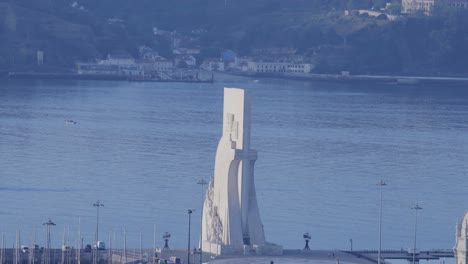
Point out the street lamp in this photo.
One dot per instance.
(351, 242)
(307, 238)
(416, 208)
(166, 237)
(189, 211)
(97, 205)
(202, 183)
(48, 224)
(381, 184)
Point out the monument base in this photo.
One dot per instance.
(268, 249)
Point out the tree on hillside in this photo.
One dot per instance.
(394, 9)
(377, 4)
(359, 4)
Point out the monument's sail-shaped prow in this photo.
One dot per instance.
(461, 244)
(231, 219)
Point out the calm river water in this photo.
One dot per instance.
(140, 148)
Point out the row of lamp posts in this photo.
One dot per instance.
(166, 235)
(50, 223)
(380, 184)
(202, 183)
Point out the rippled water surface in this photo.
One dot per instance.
(140, 148)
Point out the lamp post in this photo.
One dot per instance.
(381, 184)
(48, 224)
(97, 205)
(202, 183)
(307, 238)
(189, 211)
(351, 242)
(416, 208)
(166, 237)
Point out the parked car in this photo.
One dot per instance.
(87, 248)
(100, 245)
(65, 248)
(24, 249)
(174, 260)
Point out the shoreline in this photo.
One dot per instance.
(94, 77)
(383, 79)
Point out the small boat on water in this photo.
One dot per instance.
(407, 81)
(70, 122)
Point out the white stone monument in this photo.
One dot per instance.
(461, 240)
(231, 219)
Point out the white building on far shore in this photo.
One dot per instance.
(427, 6)
(119, 59)
(156, 65)
(212, 64)
(279, 67)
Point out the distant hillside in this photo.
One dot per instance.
(82, 30)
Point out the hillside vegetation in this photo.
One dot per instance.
(318, 29)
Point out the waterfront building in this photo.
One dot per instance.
(279, 67)
(189, 61)
(413, 6)
(275, 51)
(186, 51)
(427, 6)
(109, 69)
(114, 65)
(228, 56)
(231, 221)
(160, 32)
(157, 64)
(461, 239)
(97, 69)
(148, 53)
(456, 3)
(213, 64)
(118, 59)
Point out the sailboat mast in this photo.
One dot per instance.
(1, 250)
(79, 241)
(154, 244)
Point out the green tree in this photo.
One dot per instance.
(377, 4)
(394, 9)
(358, 4)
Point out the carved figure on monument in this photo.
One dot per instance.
(461, 237)
(231, 217)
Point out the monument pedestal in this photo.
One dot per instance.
(258, 250)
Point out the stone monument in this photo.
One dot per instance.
(231, 220)
(461, 240)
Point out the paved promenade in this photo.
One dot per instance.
(297, 256)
